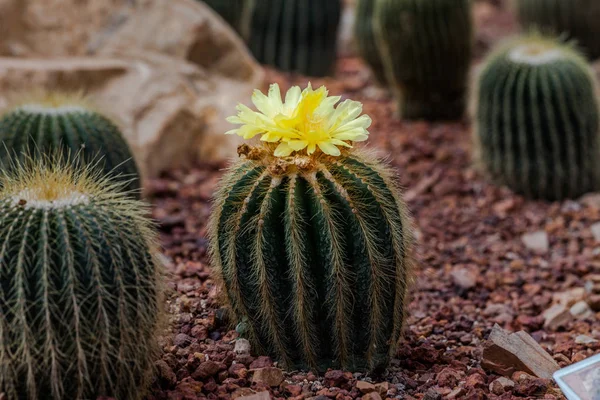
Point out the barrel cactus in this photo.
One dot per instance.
(364, 35)
(577, 19)
(296, 35)
(79, 292)
(44, 123)
(426, 48)
(537, 119)
(310, 238)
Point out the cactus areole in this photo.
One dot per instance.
(310, 239)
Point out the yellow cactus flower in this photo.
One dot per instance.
(307, 119)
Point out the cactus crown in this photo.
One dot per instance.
(535, 49)
(49, 181)
(53, 103)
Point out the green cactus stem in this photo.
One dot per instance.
(426, 48)
(364, 35)
(45, 123)
(537, 119)
(79, 285)
(314, 255)
(296, 35)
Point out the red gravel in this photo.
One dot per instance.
(474, 271)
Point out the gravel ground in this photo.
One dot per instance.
(475, 270)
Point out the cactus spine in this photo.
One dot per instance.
(426, 49)
(578, 19)
(45, 123)
(314, 257)
(79, 294)
(537, 119)
(296, 35)
(364, 35)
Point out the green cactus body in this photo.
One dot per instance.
(364, 35)
(314, 256)
(41, 127)
(578, 19)
(232, 11)
(426, 48)
(296, 35)
(79, 294)
(537, 119)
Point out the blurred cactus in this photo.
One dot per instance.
(364, 35)
(232, 11)
(537, 119)
(79, 291)
(296, 35)
(45, 123)
(426, 49)
(578, 19)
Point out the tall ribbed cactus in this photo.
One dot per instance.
(296, 35)
(426, 49)
(578, 19)
(312, 248)
(537, 119)
(79, 291)
(45, 123)
(232, 11)
(364, 35)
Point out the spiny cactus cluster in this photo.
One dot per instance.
(79, 291)
(366, 42)
(426, 49)
(537, 119)
(296, 35)
(311, 242)
(49, 122)
(577, 19)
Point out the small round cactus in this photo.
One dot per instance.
(426, 49)
(577, 19)
(537, 119)
(79, 285)
(45, 123)
(296, 35)
(310, 238)
(364, 34)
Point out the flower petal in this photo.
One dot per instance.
(329, 148)
(283, 150)
(306, 120)
(292, 98)
(297, 145)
